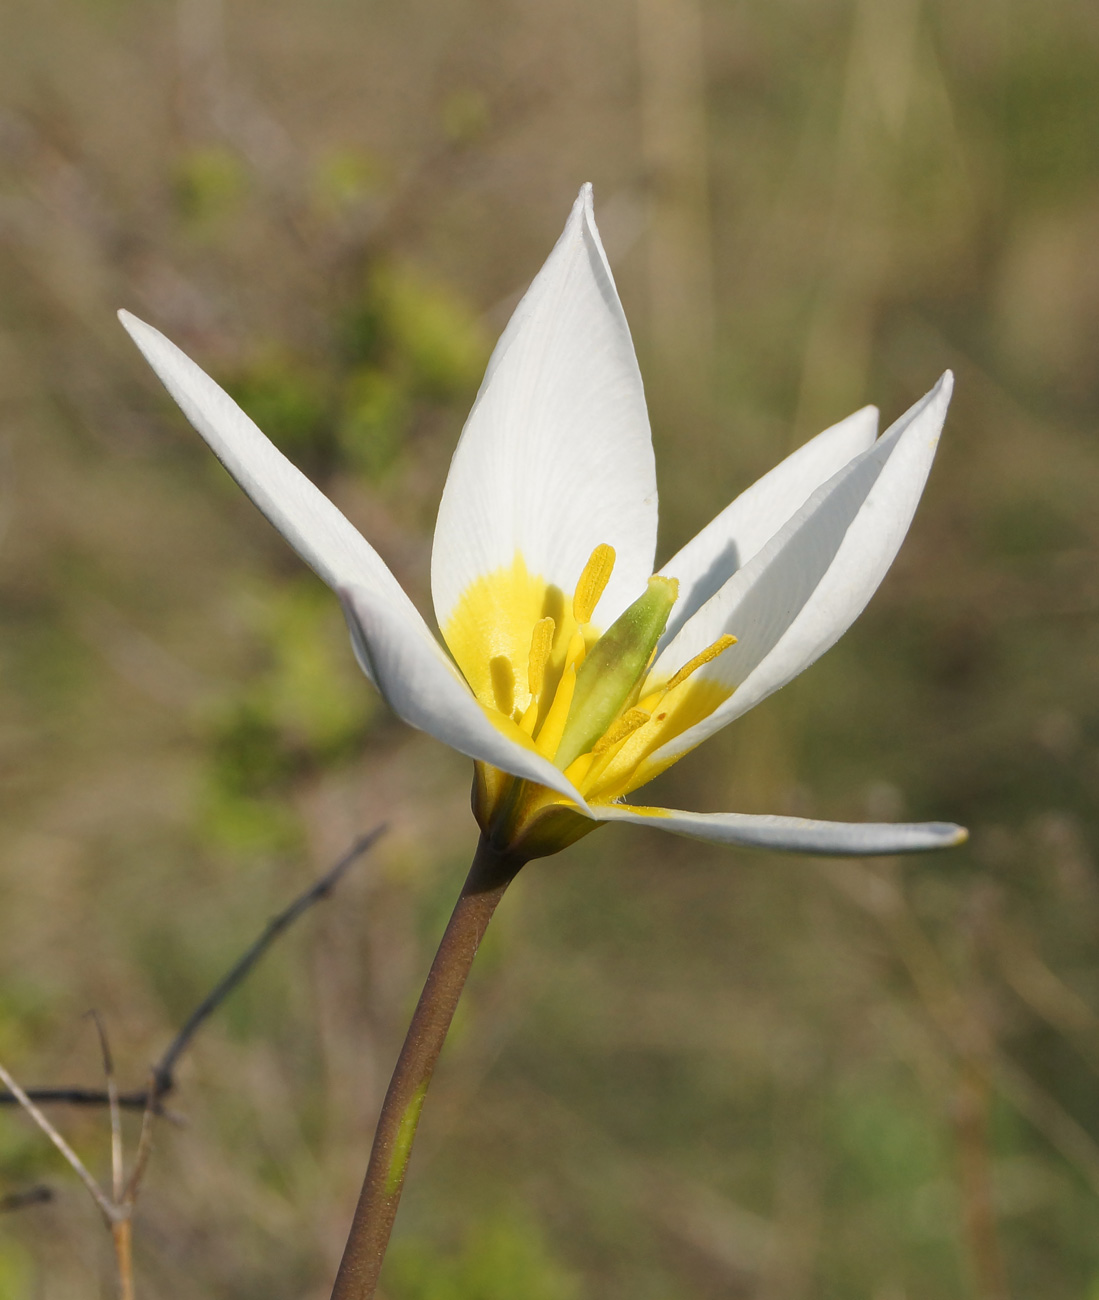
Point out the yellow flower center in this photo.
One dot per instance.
(584, 698)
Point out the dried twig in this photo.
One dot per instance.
(105, 1205)
(122, 1222)
(39, 1194)
(112, 1100)
(982, 1063)
(118, 1208)
(163, 1072)
(144, 1145)
(163, 1075)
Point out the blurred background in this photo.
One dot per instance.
(680, 1073)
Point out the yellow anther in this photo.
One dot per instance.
(711, 652)
(620, 729)
(593, 582)
(578, 769)
(549, 737)
(541, 642)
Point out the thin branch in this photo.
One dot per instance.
(1063, 1132)
(163, 1072)
(39, 1194)
(118, 1208)
(109, 1211)
(112, 1100)
(144, 1145)
(77, 1097)
(1045, 993)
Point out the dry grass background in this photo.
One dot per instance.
(680, 1072)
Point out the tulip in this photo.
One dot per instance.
(569, 671)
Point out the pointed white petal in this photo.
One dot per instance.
(320, 534)
(422, 686)
(556, 456)
(742, 529)
(793, 834)
(809, 583)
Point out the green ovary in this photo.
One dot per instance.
(612, 670)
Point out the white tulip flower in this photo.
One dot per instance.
(568, 672)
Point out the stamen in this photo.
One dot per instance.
(606, 749)
(711, 652)
(618, 731)
(530, 717)
(593, 582)
(549, 737)
(541, 642)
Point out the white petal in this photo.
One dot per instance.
(793, 834)
(556, 456)
(730, 540)
(809, 583)
(423, 687)
(320, 534)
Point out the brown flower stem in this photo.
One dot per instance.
(489, 876)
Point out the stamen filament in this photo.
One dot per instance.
(578, 769)
(549, 737)
(593, 582)
(530, 717)
(577, 651)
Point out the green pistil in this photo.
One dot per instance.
(613, 668)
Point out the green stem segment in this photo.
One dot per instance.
(488, 878)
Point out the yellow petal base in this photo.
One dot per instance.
(521, 644)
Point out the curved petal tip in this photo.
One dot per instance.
(794, 834)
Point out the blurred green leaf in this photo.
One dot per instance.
(440, 339)
(209, 184)
(1050, 114)
(345, 177)
(307, 707)
(375, 409)
(891, 1144)
(286, 395)
(504, 1258)
(16, 1270)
